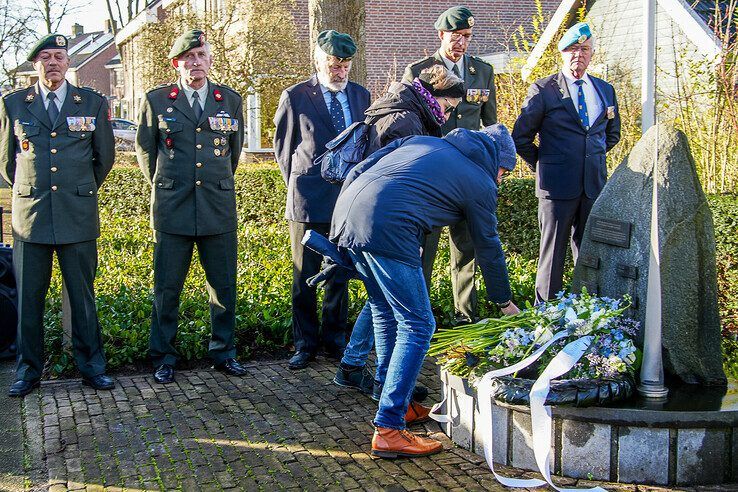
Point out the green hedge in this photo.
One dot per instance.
(124, 281)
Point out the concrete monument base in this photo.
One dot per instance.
(691, 438)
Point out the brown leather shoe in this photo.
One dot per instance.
(393, 443)
(417, 413)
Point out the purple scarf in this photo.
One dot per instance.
(431, 101)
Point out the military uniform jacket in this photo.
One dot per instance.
(55, 170)
(190, 163)
(480, 102)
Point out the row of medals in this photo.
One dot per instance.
(218, 141)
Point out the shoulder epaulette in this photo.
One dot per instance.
(482, 60)
(93, 90)
(422, 60)
(161, 86)
(14, 91)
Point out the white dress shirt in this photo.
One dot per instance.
(591, 96)
(202, 93)
(61, 94)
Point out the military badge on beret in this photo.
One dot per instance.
(454, 19)
(61, 41)
(582, 39)
(470, 21)
(578, 33)
(188, 40)
(49, 41)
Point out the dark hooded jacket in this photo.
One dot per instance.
(391, 200)
(401, 112)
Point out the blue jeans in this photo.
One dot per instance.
(403, 326)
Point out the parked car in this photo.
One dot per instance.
(124, 129)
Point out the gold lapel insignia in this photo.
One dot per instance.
(610, 112)
(472, 70)
(30, 97)
(77, 98)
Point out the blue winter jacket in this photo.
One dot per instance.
(390, 201)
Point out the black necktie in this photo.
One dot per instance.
(196, 105)
(52, 109)
(455, 70)
(337, 113)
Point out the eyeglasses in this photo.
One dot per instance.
(456, 37)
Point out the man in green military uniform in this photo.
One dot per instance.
(56, 148)
(188, 143)
(477, 109)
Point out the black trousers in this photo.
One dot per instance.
(561, 222)
(172, 258)
(78, 263)
(306, 326)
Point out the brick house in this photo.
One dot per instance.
(89, 53)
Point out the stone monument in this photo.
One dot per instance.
(614, 256)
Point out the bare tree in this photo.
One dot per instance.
(15, 35)
(345, 16)
(52, 12)
(120, 12)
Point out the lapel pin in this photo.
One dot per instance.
(472, 70)
(218, 96)
(30, 97)
(170, 109)
(77, 98)
(174, 92)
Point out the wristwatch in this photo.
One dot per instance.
(503, 305)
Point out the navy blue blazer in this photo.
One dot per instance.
(569, 160)
(303, 127)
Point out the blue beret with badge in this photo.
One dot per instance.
(55, 41)
(576, 34)
(188, 40)
(337, 44)
(455, 19)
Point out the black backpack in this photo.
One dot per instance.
(344, 152)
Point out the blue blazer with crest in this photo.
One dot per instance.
(569, 160)
(303, 128)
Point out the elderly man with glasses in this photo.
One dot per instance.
(478, 108)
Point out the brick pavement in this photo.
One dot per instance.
(270, 430)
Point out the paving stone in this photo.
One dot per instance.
(271, 429)
(696, 446)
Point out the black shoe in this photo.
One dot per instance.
(461, 320)
(334, 353)
(300, 360)
(420, 393)
(99, 382)
(231, 367)
(22, 388)
(164, 374)
(358, 377)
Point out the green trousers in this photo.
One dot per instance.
(172, 259)
(78, 262)
(463, 267)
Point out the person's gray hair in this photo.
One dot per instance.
(441, 77)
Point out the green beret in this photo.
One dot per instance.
(455, 19)
(188, 40)
(56, 41)
(337, 44)
(578, 33)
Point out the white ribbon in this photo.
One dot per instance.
(540, 414)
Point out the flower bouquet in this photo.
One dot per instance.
(605, 373)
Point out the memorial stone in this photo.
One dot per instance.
(614, 256)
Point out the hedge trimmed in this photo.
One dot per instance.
(125, 277)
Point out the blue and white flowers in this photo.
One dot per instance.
(490, 344)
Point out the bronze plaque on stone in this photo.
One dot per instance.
(610, 231)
